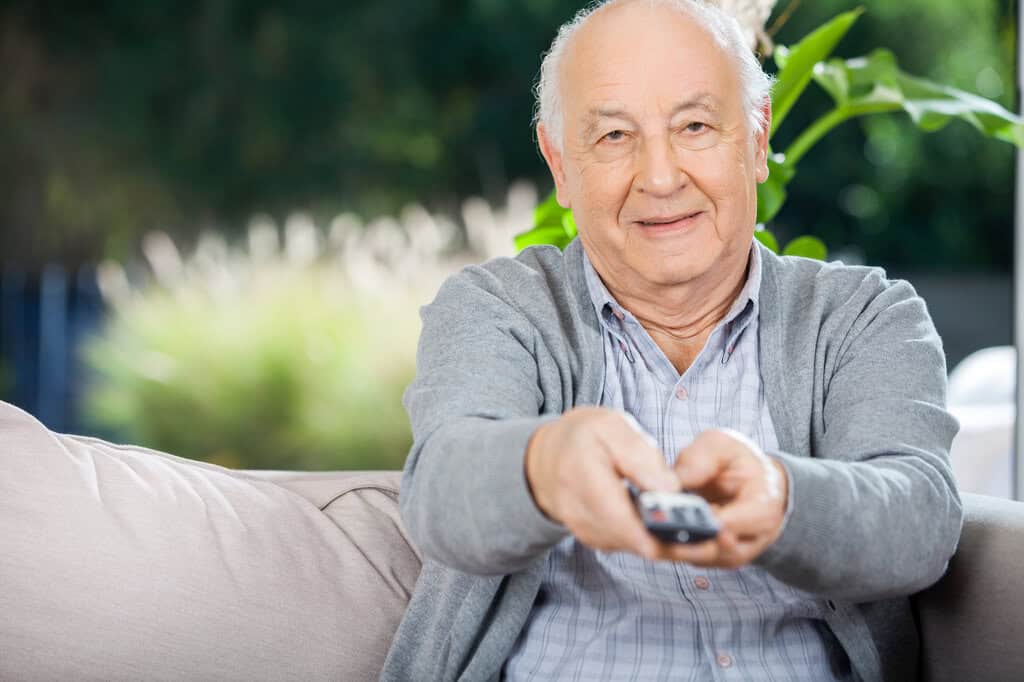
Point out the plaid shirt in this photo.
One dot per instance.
(616, 616)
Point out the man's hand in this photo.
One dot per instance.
(575, 466)
(746, 489)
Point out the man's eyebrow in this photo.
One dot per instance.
(702, 101)
(596, 114)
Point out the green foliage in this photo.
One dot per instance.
(120, 117)
(806, 247)
(876, 186)
(796, 64)
(288, 368)
(875, 84)
(771, 194)
(552, 224)
(768, 239)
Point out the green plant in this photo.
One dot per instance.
(258, 363)
(290, 356)
(862, 86)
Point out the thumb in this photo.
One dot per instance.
(648, 471)
(637, 457)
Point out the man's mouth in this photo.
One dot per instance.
(660, 221)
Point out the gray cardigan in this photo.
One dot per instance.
(855, 379)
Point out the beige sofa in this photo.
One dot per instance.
(123, 563)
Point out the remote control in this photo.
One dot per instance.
(675, 517)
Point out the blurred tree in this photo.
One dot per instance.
(119, 117)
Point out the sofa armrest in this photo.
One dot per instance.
(972, 619)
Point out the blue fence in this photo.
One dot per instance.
(44, 320)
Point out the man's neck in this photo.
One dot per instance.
(680, 317)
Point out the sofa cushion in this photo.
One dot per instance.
(122, 563)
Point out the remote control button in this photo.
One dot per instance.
(685, 516)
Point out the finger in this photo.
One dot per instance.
(749, 518)
(724, 551)
(636, 454)
(724, 487)
(701, 462)
(699, 554)
(606, 517)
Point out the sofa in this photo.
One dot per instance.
(122, 563)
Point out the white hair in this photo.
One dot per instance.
(754, 82)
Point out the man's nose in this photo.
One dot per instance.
(660, 172)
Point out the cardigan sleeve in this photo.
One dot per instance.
(876, 512)
(474, 405)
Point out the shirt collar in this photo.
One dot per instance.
(743, 309)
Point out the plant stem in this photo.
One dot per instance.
(817, 130)
(783, 18)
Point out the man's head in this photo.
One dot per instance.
(653, 117)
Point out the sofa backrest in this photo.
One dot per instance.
(121, 563)
(972, 621)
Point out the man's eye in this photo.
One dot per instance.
(696, 127)
(615, 136)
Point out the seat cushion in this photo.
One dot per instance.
(122, 563)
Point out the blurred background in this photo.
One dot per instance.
(218, 218)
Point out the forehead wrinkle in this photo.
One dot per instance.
(703, 100)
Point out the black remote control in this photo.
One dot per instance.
(675, 517)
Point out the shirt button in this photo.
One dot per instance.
(701, 582)
(681, 393)
(724, 660)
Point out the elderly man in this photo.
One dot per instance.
(804, 400)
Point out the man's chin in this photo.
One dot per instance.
(674, 272)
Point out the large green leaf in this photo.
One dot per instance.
(552, 224)
(569, 224)
(548, 212)
(796, 64)
(875, 84)
(806, 246)
(767, 238)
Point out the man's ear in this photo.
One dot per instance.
(553, 156)
(761, 141)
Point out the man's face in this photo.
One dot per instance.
(658, 163)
